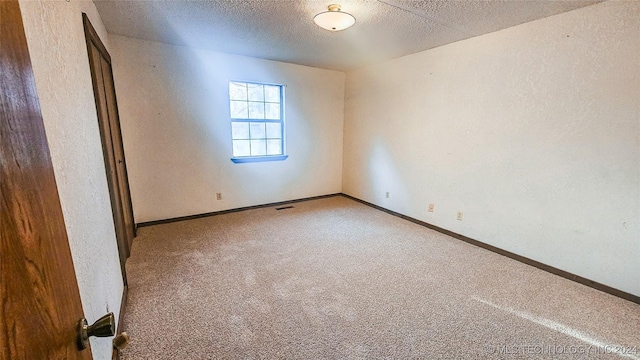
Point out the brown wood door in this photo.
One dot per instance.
(118, 150)
(112, 147)
(40, 302)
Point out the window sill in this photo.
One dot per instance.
(250, 159)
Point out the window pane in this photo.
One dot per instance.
(274, 147)
(256, 110)
(274, 130)
(272, 111)
(237, 91)
(256, 103)
(258, 147)
(256, 92)
(257, 131)
(240, 130)
(239, 110)
(241, 148)
(272, 93)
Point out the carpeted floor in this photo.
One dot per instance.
(336, 279)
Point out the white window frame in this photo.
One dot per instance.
(261, 157)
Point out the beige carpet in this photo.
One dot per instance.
(335, 279)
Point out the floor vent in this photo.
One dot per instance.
(285, 207)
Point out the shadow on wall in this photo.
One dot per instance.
(388, 186)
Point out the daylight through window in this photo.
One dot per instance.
(257, 126)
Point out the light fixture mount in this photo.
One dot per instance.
(334, 19)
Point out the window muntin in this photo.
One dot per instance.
(257, 124)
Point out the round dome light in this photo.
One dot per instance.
(334, 19)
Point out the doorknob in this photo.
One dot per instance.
(103, 327)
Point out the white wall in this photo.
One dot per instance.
(533, 132)
(55, 37)
(174, 111)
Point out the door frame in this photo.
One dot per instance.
(118, 190)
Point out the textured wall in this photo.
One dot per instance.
(58, 52)
(533, 132)
(174, 109)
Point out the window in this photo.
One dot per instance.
(257, 121)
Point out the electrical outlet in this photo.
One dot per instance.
(459, 215)
(219, 196)
(386, 195)
(431, 207)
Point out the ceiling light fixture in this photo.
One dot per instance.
(334, 19)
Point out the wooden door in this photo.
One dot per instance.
(118, 149)
(40, 302)
(112, 147)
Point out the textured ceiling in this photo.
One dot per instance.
(284, 30)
